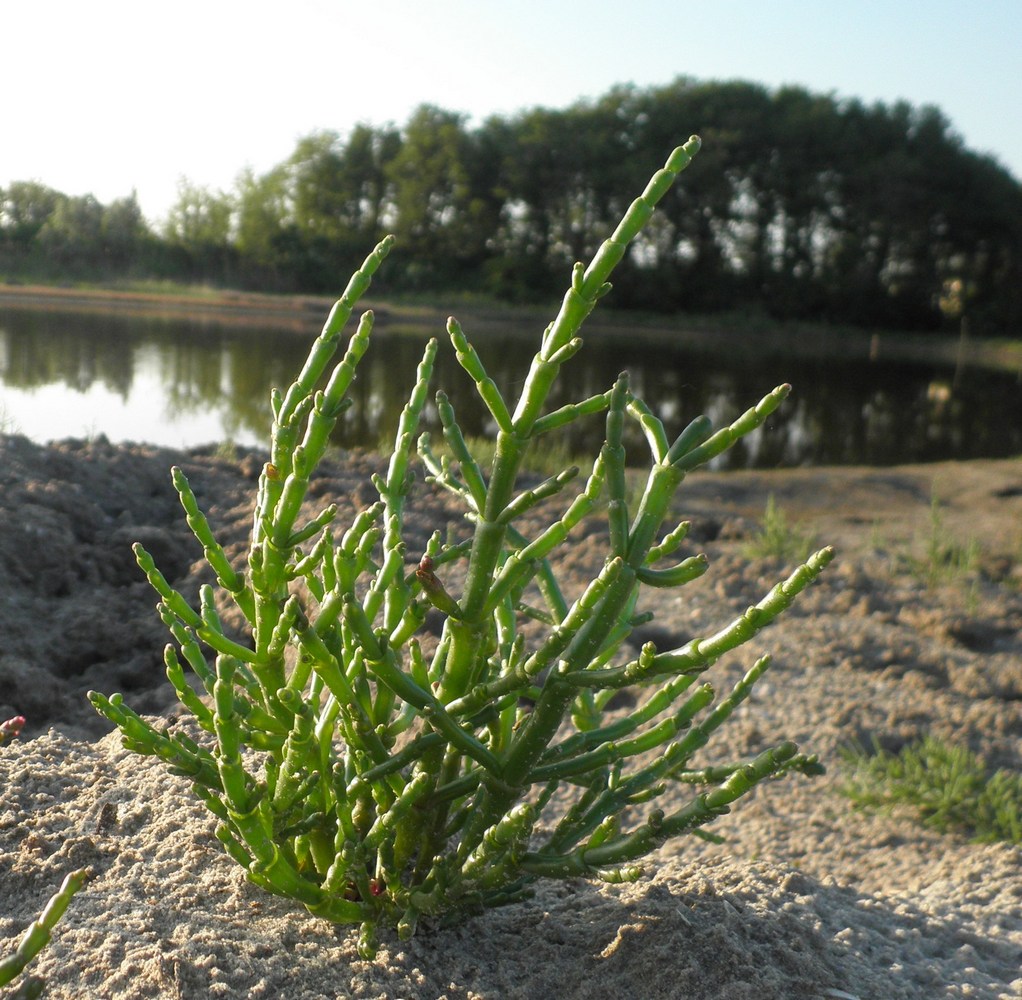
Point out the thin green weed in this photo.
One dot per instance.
(948, 787)
(946, 561)
(776, 538)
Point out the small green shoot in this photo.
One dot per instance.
(38, 933)
(36, 937)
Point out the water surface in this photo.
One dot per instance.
(182, 383)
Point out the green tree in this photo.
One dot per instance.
(340, 188)
(199, 217)
(198, 228)
(72, 236)
(125, 236)
(340, 192)
(445, 208)
(801, 204)
(24, 209)
(558, 177)
(365, 161)
(263, 213)
(986, 202)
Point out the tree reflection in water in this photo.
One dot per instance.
(182, 383)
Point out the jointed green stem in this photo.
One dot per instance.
(406, 768)
(38, 934)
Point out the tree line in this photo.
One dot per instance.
(801, 204)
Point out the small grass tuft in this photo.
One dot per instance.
(227, 449)
(777, 538)
(949, 787)
(946, 560)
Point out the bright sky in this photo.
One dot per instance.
(113, 95)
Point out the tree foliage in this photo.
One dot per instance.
(802, 204)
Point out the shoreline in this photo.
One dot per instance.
(253, 308)
(305, 313)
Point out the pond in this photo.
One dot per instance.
(182, 383)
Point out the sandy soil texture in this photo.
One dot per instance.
(807, 898)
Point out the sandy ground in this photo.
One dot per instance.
(808, 897)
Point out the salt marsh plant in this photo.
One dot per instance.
(36, 937)
(384, 782)
(37, 934)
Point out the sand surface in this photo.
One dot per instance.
(808, 897)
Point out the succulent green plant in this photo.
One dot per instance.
(38, 933)
(36, 937)
(392, 787)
